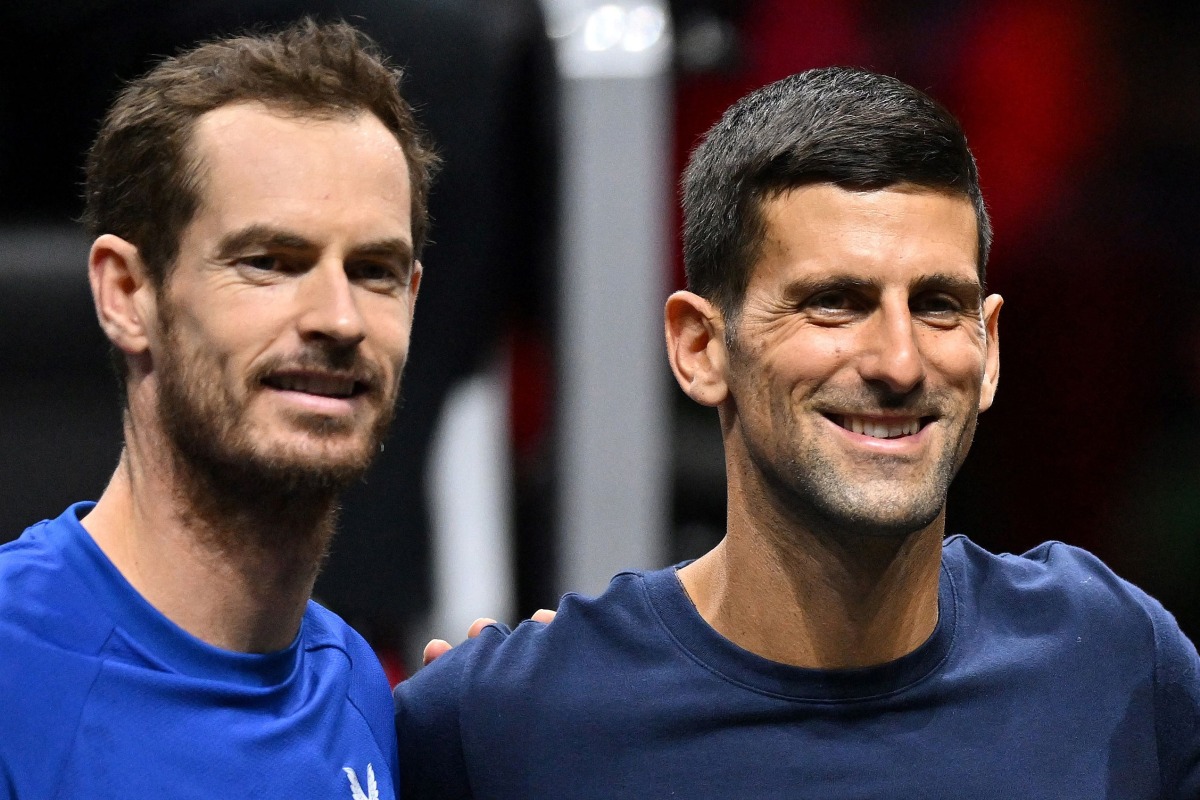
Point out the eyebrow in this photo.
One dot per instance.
(954, 284)
(941, 281)
(807, 287)
(396, 249)
(253, 236)
(264, 236)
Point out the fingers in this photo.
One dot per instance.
(478, 625)
(435, 648)
(439, 647)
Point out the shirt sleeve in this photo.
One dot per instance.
(1176, 707)
(432, 764)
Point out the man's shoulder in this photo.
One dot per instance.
(343, 656)
(31, 551)
(49, 637)
(589, 637)
(1055, 585)
(1052, 566)
(42, 594)
(546, 670)
(585, 629)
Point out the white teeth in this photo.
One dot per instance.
(881, 429)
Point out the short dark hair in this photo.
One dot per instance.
(143, 178)
(839, 125)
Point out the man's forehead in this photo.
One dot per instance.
(870, 234)
(248, 139)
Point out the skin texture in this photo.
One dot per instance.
(264, 371)
(867, 306)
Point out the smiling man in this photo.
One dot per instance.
(259, 204)
(834, 644)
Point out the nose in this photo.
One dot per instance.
(329, 309)
(892, 356)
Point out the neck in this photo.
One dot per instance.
(235, 572)
(805, 598)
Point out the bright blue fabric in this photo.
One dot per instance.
(101, 696)
(1046, 677)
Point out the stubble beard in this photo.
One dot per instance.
(276, 500)
(816, 491)
(822, 493)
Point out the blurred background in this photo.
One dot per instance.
(542, 445)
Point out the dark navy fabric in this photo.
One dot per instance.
(1046, 677)
(101, 696)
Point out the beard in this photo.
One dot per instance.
(229, 474)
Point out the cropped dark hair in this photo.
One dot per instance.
(845, 126)
(142, 179)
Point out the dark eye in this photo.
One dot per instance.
(937, 303)
(262, 263)
(835, 305)
(375, 272)
(378, 275)
(836, 300)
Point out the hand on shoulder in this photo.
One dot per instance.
(439, 647)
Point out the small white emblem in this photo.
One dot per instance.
(356, 791)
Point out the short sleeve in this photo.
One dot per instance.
(1176, 707)
(432, 765)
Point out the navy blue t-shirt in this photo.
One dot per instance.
(102, 697)
(1046, 677)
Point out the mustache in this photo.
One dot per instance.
(873, 399)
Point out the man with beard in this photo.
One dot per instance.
(833, 645)
(259, 205)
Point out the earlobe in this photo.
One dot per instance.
(696, 347)
(991, 364)
(121, 292)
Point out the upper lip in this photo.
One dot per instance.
(326, 384)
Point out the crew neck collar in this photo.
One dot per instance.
(156, 638)
(737, 665)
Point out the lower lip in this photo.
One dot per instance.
(318, 404)
(901, 445)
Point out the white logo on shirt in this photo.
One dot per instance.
(356, 791)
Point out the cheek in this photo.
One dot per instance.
(390, 332)
(958, 356)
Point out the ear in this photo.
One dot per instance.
(122, 293)
(991, 362)
(414, 285)
(696, 347)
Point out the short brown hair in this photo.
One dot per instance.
(142, 179)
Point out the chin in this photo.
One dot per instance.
(894, 512)
(330, 465)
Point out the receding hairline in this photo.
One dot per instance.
(198, 167)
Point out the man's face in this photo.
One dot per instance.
(862, 356)
(284, 326)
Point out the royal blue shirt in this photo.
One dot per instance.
(101, 696)
(1046, 677)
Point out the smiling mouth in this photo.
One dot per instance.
(879, 427)
(340, 387)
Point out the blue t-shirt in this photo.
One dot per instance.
(101, 696)
(1046, 677)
